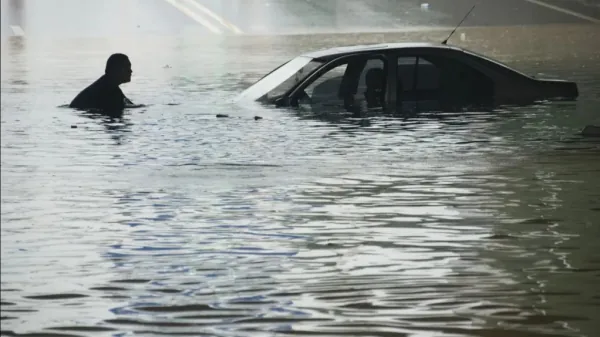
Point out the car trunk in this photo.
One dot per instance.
(552, 88)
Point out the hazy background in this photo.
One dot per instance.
(171, 221)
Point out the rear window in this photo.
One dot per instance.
(493, 63)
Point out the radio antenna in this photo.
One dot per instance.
(460, 23)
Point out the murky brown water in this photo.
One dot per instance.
(172, 221)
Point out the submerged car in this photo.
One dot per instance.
(401, 77)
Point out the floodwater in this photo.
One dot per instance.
(170, 221)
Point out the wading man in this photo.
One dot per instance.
(105, 94)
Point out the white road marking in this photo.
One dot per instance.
(17, 30)
(194, 16)
(564, 10)
(216, 17)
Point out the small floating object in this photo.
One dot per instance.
(73, 126)
(222, 116)
(591, 131)
(463, 37)
(257, 118)
(424, 6)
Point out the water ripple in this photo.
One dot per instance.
(169, 221)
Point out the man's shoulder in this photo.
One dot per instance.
(102, 83)
(102, 94)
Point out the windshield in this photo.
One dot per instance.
(282, 79)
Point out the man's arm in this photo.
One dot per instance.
(130, 104)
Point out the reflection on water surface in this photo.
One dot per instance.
(171, 221)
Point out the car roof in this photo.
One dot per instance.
(347, 50)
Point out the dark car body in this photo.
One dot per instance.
(416, 77)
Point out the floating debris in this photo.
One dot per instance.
(73, 126)
(222, 116)
(257, 118)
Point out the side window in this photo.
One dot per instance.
(439, 82)
(427, 74)
(354, 83)
(371, 64)
(326, 88)
(406, 73)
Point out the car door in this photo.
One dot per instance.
(340, 84)
(418, 84)
(437, 80)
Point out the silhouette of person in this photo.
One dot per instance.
(105, 94)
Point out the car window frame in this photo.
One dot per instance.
(318, 73)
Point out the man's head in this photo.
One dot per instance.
(118, 67)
